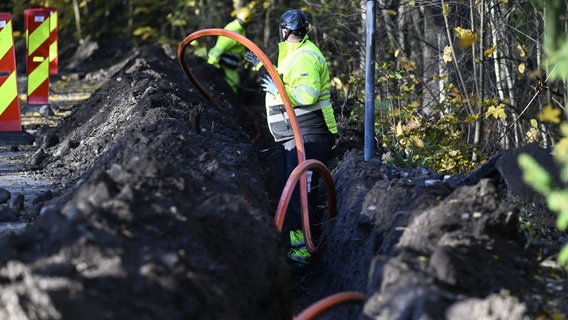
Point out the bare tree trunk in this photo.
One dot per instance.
(508, 78)
(431, 49)
(130, 16)
(462, 85)
(384, 22)
(401, 21)
(77, 20)
(479, 96)
(442, 68)
(517, 137)
(540, 66)
(496, 28)
(268, 24)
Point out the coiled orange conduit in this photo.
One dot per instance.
(287, 194)
(279, 217)
(303, 165)
(277, 81)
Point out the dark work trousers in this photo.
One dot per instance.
(315, 147)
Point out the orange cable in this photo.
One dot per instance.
(320, 307)
(287, 194)
(302, 167)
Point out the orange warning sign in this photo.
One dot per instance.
(37, 22)
(9, 102)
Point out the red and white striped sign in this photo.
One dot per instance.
(37, 23)
(9, 102)
(53, 49)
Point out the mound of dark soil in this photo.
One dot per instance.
(163, 203)
(160, 211)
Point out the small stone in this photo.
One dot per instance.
(17, 203)
(49, 140)
(150, 90)
(4, 195)
(46, 111)
(38, 157)
(8, 215)
(44, 196)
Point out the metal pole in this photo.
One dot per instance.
(370, 82)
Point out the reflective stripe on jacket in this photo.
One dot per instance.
(306, 79)
(228, 46)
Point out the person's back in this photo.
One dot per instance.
(306, 79)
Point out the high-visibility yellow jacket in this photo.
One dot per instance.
(227, 50)
(305, 75)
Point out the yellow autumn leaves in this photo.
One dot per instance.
(550, 114)
(496, 111)
(467, 37)
(403, 132)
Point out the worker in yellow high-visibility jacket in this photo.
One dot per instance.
(305, 76)
(228, 54)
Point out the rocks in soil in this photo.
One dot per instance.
(142, 228)
(46, 111)
(4, 195)
(38, 157)
(8, 215)
(16, 202)
(49, 140)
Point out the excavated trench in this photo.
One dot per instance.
(162, 207)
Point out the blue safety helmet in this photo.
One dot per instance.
(295, 21)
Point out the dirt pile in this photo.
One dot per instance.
(150, 218)
(425, 246)
(162, 208)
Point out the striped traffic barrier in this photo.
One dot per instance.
(53, 49)
(37, 23)
(9, 102)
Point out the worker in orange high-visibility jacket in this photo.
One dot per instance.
(305, 76)
(228, 54)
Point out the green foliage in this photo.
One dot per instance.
(540, 180)
(556, 50)
(559, 61)
(145, 33)
(534, 174)
(557, 201)
(555, 39)
(435, 140)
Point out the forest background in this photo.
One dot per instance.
(456, 81)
